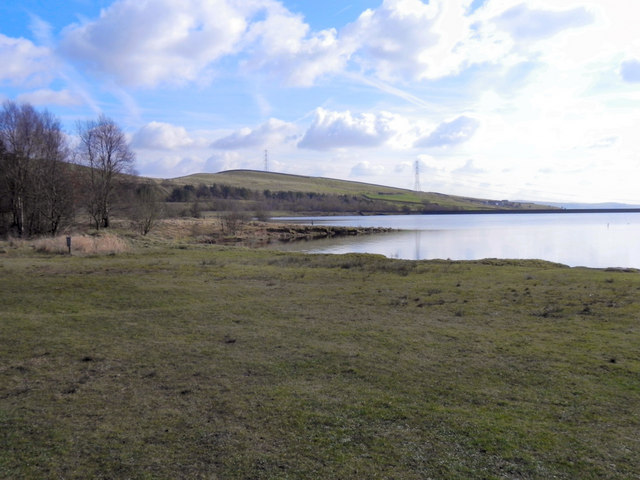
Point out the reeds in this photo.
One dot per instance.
(85, 244)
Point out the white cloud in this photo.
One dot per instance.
(367, 169)
(384, 34)
(221, 161)
(469, 168)
(23, 62)
(152, 43)
(161, 136)
(412, 40)
(524, 23)
(273, 131)
(605, 142)
(400, 40)
(170, 42)
(164, 41)
(342, 129)
(168, 166)
(451, 133)
(402, 167)
(46, 97)
(404, 40)
(284, 45)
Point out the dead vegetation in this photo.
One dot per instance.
(99, 244)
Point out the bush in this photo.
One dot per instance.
(231, 221)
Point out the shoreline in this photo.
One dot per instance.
(258, 234)
(550, 210)
(466, 212)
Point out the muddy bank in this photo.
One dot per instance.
(289, 233)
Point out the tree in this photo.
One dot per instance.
(104, 149)
(53, 177)
(35, 187)
(147, 207)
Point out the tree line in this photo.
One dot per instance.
(45, 182)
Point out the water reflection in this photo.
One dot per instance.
(594, 240)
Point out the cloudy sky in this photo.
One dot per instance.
(506, 99)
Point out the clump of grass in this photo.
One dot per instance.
(85, 244)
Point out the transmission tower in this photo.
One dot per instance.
(416, 185)
(266, 160)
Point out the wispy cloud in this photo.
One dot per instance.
(450, 133)
(46, 97)
(272, 131)
(525, 23)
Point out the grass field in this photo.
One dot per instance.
(221, 363)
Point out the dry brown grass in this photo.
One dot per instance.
(83, 244)
(173, 229)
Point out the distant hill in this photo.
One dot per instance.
(603, 206)
(386, 199)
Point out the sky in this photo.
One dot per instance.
(503, 99)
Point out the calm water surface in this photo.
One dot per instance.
(593, 240)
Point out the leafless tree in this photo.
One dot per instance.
(147, 207)
(104, 149)
(232, 220)
(35, 188)
(53, 180)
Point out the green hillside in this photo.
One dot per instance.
(396, 197)
(257, 180)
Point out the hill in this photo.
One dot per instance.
(386, 199)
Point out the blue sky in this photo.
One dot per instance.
(506, 99)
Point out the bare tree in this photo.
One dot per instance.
(104, 149)
(18, 133)
(34, 181)
(147, 207)
(53, 179)
(232, 220)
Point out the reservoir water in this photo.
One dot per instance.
(597, 240)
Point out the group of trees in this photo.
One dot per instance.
(44, 183)
(35, 185)
(189, 193)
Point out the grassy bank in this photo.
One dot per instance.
(215, 362)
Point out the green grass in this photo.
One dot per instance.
(232, 363)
